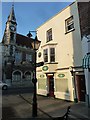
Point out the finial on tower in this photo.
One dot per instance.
(13, 3)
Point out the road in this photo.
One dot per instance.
(17, 103)
(17, 90)
(13, 106)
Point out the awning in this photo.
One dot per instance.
(86, 62)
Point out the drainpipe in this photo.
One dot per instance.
(74, 84)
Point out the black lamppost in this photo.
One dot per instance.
(35, 44)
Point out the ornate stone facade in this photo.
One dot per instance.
(17, 55)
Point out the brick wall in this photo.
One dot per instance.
(84, 16)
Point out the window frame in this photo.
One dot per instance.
(45, 55)
(52, 54)
(69, 23)
(29, 57)
(49, 35)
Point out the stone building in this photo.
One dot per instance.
(17, 55)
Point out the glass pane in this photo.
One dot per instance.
(62, 85)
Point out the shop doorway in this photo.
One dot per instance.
(81, 87)
(50, 85)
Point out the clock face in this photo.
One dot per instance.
(12, 28)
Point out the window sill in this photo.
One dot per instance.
(69, 31)
(49, 41)
(51, 63)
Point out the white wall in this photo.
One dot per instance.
(68, 48)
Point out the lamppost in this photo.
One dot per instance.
(35, 44)
(74, 83)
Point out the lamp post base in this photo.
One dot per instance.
(34, 110)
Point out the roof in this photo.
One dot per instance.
(23, 40)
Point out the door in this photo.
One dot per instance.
(51, 85)
(80, 86)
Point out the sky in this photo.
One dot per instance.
(29, 15)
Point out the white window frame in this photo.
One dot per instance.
(49, 35)
(69, 23)
(52, 54)
(45, 54)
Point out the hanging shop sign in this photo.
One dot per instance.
(45, 68)
(61, 75)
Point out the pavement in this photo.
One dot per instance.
(48, 108)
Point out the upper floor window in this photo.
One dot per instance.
(52, 54)
(45, 54)
(49, 35)
(69, 24)
(18, 57)
(28, 58)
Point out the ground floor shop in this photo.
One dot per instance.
(64, 84)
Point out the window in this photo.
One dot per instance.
(28, 58)
(45, 54)
(52, 54)
(18, 57)
(49, 35)
(28, 76)
(69, 24)
(17, 76)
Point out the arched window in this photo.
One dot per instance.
(17, 76)
(28, 75)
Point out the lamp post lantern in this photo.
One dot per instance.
(35, 44)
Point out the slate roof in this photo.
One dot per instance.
(23, 40)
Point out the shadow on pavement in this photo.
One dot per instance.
(7, 112)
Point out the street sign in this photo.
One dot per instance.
(39, 64)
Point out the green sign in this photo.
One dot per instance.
(45, 68)
(61, 75)
(42, 76)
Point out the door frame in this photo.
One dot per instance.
(81, 90)
(50, 85)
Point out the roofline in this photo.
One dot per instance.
(56, 14)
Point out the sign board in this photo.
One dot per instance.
(45, 68)
(39, 64)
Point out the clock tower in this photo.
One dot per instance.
(10, 30)
(9, 38)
